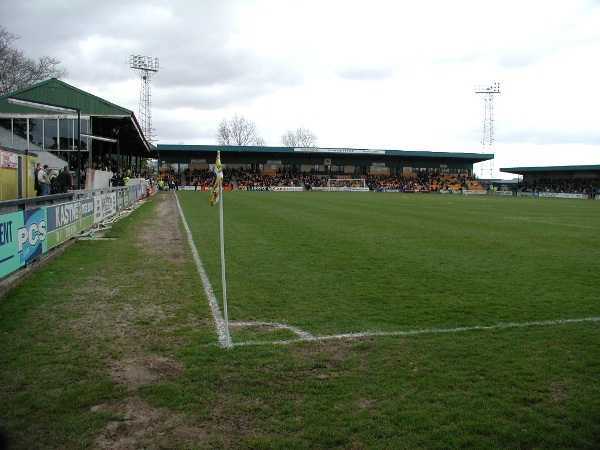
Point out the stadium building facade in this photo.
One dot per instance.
(348, 162)
(57, 124)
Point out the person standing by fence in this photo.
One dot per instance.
(36, 181)
(65, 181)
(44, 181)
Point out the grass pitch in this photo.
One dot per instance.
(340, 263)
(113, 345)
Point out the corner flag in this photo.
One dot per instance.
(215, 197)
(215, 194)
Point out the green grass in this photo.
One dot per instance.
(327, 263)
(333, 263)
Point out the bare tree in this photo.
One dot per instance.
(238, 131)
(302, 137)
(17, 71)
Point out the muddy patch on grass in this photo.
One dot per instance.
(136, 372)
(145, 426)
(164, 237)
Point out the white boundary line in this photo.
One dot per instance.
(208, 290)
(412, 332)
(304, 336)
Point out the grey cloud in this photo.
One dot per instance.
(220, 79)
(180, 28)
(198, 65)
(235, 92)
(171, 130)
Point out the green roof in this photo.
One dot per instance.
(107, 115)
(59, 93)
(181, 148)
(523, 170)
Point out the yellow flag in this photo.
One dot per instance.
(215, 194)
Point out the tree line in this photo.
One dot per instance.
(242, 132)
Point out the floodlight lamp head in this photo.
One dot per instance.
(143, 63)
(493, 89)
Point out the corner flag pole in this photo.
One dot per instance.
(225, 315)
(216, 196)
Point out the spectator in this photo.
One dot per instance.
(65, 181)
(44, 181)
(36, 181)
(53, 177)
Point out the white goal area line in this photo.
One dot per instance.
(304, 336)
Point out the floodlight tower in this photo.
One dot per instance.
(145, 67)
(488, 94)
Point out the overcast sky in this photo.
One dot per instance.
(368, 74)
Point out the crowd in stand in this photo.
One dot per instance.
(264, 180)
(590, 186)
(252, 180)
(424, 182)
(204, 178)
(106, 164)
(311, 180)
(451, 182)
(397, 182)
(121, 178)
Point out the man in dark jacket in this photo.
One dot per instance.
(65, 181)
(36, 182)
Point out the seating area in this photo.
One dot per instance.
(264, 180)
(407, 182)
(423, 182)
(251, 180)
(451, 182)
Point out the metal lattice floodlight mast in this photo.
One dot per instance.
(145, 67)
(488, 93)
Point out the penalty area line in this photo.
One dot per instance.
(310, 338)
